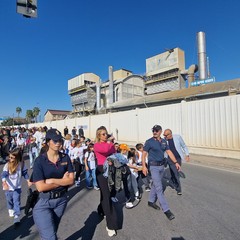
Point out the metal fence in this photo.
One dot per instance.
(209, 127)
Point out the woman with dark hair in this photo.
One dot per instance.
(103, 148)
(52, 175)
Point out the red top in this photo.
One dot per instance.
(103, 150)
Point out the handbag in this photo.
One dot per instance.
(32, 199)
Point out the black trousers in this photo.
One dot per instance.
(106, 205)
(175, 175)
(78, 168)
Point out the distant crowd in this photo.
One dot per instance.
(59, 162)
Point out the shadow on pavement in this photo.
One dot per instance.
(20, 231)
(87, 232)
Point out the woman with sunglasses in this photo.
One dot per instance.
(12, 174)
(52, 175)
(104, 148)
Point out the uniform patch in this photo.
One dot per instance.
(64, 163)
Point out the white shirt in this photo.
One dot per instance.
(14, 180)
(79, 153)
(91, 159)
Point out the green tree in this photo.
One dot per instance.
(18, 111)
(29, 116)
(36, 112)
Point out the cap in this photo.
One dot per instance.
(54, 134)
(87, 140)
(156, 128)
(124, 146)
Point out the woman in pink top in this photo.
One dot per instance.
(103, 148)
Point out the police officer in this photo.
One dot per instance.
(52, 174)
(155, 148)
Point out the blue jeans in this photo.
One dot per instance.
(91, 173)
(32, 157)
(13, 200)
(157, 188)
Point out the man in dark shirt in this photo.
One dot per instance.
(155, 148)
(179, 149)
(74, 131)
(80, 132)
(65, 131)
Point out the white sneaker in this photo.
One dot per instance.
(16, 219)
(77, 183)
(11, 212)
(114, 199)
(96, 188)
(129, 205)
(110, 232)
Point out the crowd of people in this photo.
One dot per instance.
(58, 162)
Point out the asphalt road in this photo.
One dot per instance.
(208, 209)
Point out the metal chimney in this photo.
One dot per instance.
(110, 72)
(98, 95)
(202, 59)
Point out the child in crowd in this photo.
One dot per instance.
(33, 151)
(12, 181)
(67, 143)
(78, 161)
(124, 150)
(5, 148)
(132, 179)
(21, 141)
(145, 179)
(90, 167)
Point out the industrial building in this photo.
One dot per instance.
(166, 81)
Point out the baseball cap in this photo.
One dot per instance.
(54, 134)
(156, 128)
(124, 146)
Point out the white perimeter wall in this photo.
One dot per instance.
(209, 127)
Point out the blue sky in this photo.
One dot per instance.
(38, 56)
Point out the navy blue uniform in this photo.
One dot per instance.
(50, 207)
(156, 149)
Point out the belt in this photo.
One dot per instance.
(52, 195)
(156, 163)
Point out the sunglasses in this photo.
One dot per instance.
(104, 134)
(155, 131)
(11, 157)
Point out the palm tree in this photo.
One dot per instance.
(36, 112)
(29, 116)
(18, 111)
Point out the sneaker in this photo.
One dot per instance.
(169, 215)
(153, 205)
(129, 205)
(147, 189)
(11, 212)
(77, 183)
(110, 232)
(179, 193)
(89, 188)
(114, 199)
(16, 219)
(96, 188)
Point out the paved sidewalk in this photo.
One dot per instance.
(225, 163)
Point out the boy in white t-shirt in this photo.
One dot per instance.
(90, 167)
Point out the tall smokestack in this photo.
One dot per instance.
(202, 59)
(110, 72)
(98, 95)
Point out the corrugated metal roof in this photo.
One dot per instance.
(208, 89)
